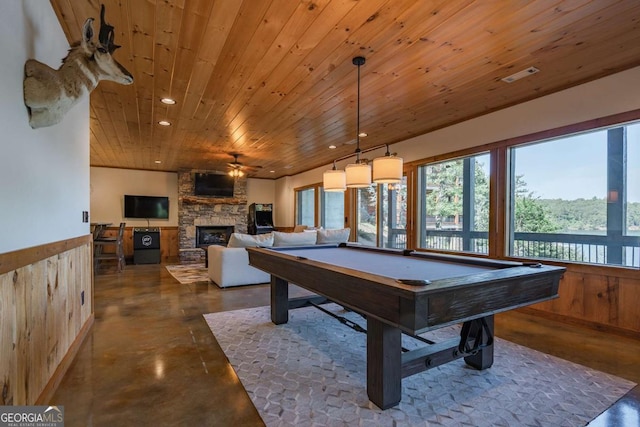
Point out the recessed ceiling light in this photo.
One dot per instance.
(168, 101)
(363, 134)
(272, 171)
(164, 123)
(158, 162)
(520, 74)
(332, 147)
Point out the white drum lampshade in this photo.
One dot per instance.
(358, 175)
(334, 180)
(387, 170)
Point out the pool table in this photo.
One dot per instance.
(407, 292)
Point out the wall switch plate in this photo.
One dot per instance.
(85, 216)
(82, 298)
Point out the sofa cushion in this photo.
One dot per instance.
(304, 238)
(340, 235)
(240, 240)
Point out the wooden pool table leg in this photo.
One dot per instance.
(384, 364)
(279, 300)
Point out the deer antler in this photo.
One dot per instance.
(106, 34)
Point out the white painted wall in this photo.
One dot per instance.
(44, 173)
(109, 185)
(604, 97)
(262, 191)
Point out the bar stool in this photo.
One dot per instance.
(117, 252)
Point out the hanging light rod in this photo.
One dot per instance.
(366, 150)
(358, 174)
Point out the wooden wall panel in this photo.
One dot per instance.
(41, 315)
(604, 298)
(21, 354)
(168, 242)
(630, 301)
(56, 313)
(8, 374)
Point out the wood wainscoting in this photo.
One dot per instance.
(46, 308)
(601, 297)
(169, 242)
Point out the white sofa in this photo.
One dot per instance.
(229, 265)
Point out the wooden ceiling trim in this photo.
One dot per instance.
(190, 41)
(277, 105)
(208, 51)
(225, 77)
(300, 22)
(283, 90)
(393, 89)
(348, 85)
(104, 130)
(220, 24)
(100, 153)
(167, 29)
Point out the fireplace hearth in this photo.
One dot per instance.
(213, 235)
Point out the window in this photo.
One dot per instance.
(576, 198)
(306, 207)
(633, 185)
(332, 209)
(393, 216)
(313, 202)
(366, 215)
(453, 204)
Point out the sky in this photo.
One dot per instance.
(575, 167)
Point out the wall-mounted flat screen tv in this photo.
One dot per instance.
(211, 184)
(149, 207)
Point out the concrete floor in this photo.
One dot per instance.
(150, 358)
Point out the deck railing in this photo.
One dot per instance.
(587, 248)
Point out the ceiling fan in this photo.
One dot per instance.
(237, 169)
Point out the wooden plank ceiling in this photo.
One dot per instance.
(273, 80)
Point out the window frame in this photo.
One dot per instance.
(500, 186)
(318, 204)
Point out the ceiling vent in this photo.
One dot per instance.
(520, 74)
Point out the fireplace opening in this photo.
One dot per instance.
(213, 235)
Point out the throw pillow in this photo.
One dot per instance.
(304, 238)
(340, 235)
(240, 240)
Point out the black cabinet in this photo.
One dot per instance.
(146, 245)
(260, 218)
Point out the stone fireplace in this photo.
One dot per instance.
(202, 216)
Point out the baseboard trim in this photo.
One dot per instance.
(51, 387)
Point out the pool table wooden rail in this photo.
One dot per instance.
(416, 309)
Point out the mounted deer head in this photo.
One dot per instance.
(49, 93)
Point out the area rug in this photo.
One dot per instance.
(189, 273)
(311, 372)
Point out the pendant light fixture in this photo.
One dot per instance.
(358, 174)
(334, 180)
(387, 169)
